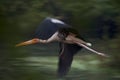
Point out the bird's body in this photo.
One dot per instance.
(70, 42)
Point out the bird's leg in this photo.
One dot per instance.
(94, 51)
(73, 39)
(83, 42)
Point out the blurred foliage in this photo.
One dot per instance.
(19, 19)
(28, 14)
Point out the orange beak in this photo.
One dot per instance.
(33, 41)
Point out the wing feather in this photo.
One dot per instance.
(67, 51)
(48, 27)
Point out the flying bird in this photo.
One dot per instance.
(70, 42)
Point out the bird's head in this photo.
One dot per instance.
(32, 41)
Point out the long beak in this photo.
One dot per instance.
(32, 41)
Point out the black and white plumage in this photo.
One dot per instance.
(70, 41)
(46, 29)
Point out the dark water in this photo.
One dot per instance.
(40, 63)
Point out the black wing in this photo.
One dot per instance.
(48, 27)
(67, 51)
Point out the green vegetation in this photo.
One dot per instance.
(19, 19)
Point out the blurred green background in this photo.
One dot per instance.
(97, 20)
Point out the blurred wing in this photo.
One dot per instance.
(67, 52)
(48, 27)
